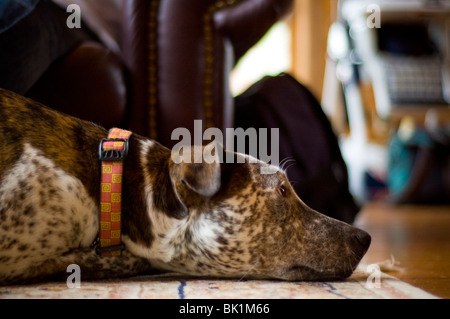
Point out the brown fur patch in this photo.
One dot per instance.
(71, 143)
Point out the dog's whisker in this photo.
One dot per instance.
(286, 158)
(286, 161)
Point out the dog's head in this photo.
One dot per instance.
(227, 219)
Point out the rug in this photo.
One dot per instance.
(365, 283)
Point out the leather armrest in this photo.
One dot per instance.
(88, 83)
(245, 23)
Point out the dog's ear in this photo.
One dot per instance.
(198, 168)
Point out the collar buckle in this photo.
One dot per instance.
(109, 149)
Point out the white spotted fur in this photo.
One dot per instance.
(72, 203)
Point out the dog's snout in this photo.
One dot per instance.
(363, 238)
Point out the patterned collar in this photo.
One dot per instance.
(112, 153)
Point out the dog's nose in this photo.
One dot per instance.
(363, 238)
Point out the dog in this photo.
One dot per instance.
(208, 218)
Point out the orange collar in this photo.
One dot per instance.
(112, 153)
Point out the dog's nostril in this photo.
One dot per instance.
(363, 238)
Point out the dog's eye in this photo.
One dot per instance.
(282, 190)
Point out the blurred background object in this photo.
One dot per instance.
(389, 63)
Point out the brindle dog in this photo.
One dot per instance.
(203, 219)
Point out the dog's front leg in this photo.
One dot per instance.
(91, 267)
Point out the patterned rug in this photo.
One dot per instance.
(362, 284)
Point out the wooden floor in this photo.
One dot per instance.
(418, 238)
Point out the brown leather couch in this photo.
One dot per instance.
(170, 67)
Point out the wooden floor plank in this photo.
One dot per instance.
(418, 238)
